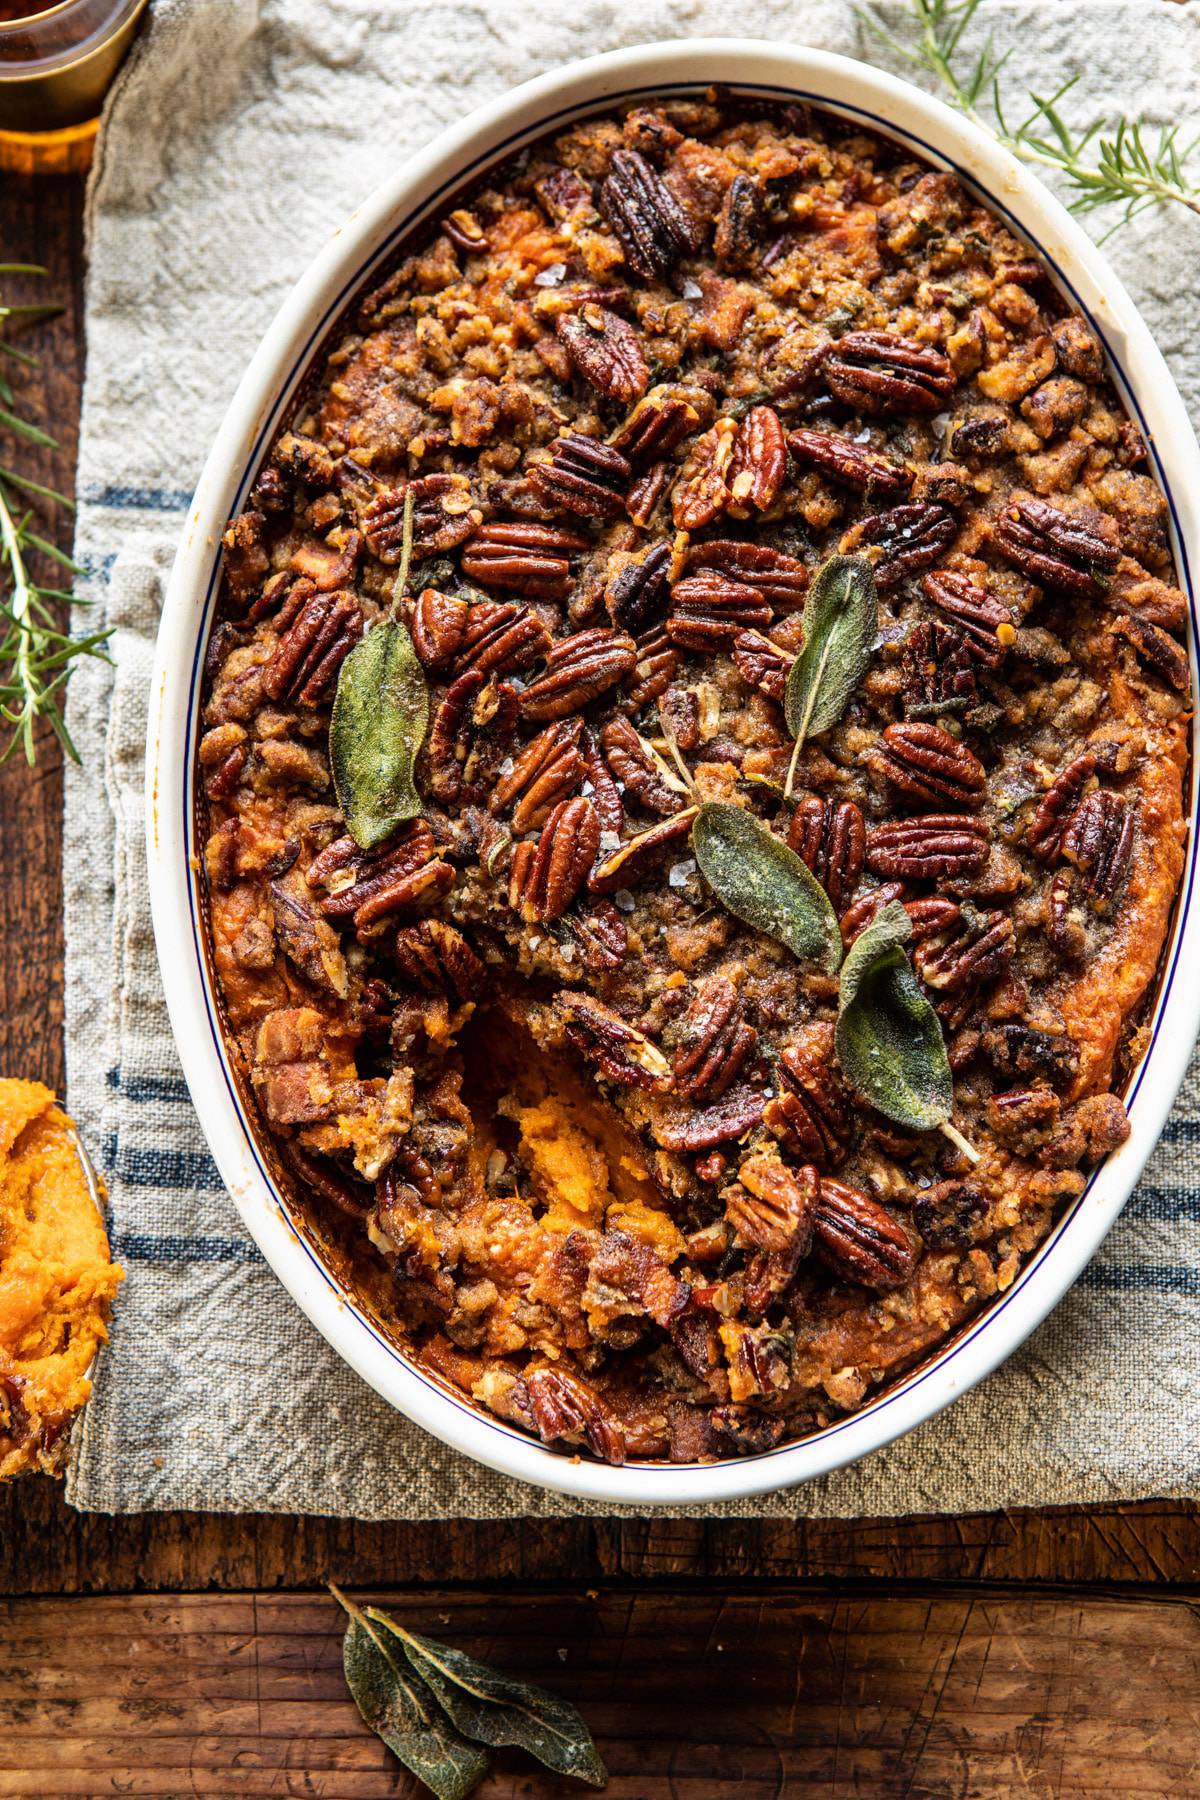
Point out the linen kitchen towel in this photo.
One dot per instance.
(239, 134)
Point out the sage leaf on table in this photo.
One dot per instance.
(889, 1039)
(380, 717)
(495, 1708)
(400, 1709)
(841, 621)
(756, 876)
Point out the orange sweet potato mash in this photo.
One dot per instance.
(56, 1279)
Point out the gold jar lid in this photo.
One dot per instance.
(56, 64)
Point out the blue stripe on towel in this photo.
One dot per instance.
(144, 1247)
(148, 1087)
(1135, 1278)
(181, 1169)
(120, 497)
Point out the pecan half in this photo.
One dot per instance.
(469, 737)
(606, 350)
(739, 224)
(938, 669)
(578, 669)
(758, 464)
(857, 917)
(436, 958)
(634, 766)
(500, 637)
(715, 1041)
(545, 877)
(850, 464)
(583, 476)
(437, 625)
(1167, 658)
(660, 422)
(772, 1207)
(1043, 835)
(441, 517)
(859, 1239)
(548, 770)
(695, 1129)
(639, 855)
(652, 226)
(762, 664)
(601, 935)
(637, 595)
(971, 951)
(927, 767)
(1072, 553)
(1098, 841)
(708, 610)
(700, 492)
(317, 642)
(646, 493)
(910, 538)
(564, 1406)
(928, 848)
(829, 835)
(984, 622)
(654, 670)
(781, 580)
(369, 885)
(809, 1113)
(880, 372)
(604, 793)
(618, 1049)
(534, 560)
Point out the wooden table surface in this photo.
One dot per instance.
(1052, 1654)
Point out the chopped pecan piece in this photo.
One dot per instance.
(909, 537)
(1043, 835)
(313, 648)
(829, 835)
(644, 777)
(927, 767)
(948, 1215)
(660, 422)
(781, 580)
(984, 436)
(880, 372)
(1161, 652)
(928, 848)
(644, 213)
(435, 957)
(469, 738)
(762, 664)
(306, 939)
(1072, 553)
(606, 350)
(369, 885)
(637, 595)
(809, 1113)
(986, 625)
(626, 1278)
(545, 877)
(601, 935)
(578, 669)
(715, 1041)
(500, 638)
(859, 1239)
(533, 560)
(700, 492)
(758, 1359)
(851, 464)
(739, 226)
(564, 1406)
(746, 1431)
(548, 770)
(329, 565)
(636, 857)
(939, 671)
(618, 1049)
(583, 476)
(772, 1207)
(437, 626)
(708, 610)
(758, 464)
(441, 517)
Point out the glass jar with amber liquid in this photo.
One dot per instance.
(56, 64)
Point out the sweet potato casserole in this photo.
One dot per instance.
(692, 777)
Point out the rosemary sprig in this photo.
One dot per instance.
(35, 655)
(1105, 165)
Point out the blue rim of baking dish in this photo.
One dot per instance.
(286, 390)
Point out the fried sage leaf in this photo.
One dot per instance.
(404, 1712)
(498, 1709)
(755, 875)
(841, 620)
(380, 717)
(889, 1039)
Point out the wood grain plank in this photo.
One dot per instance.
(953, 1693)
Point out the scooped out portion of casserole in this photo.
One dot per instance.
(692, 777)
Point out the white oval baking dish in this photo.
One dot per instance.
(855, 91)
